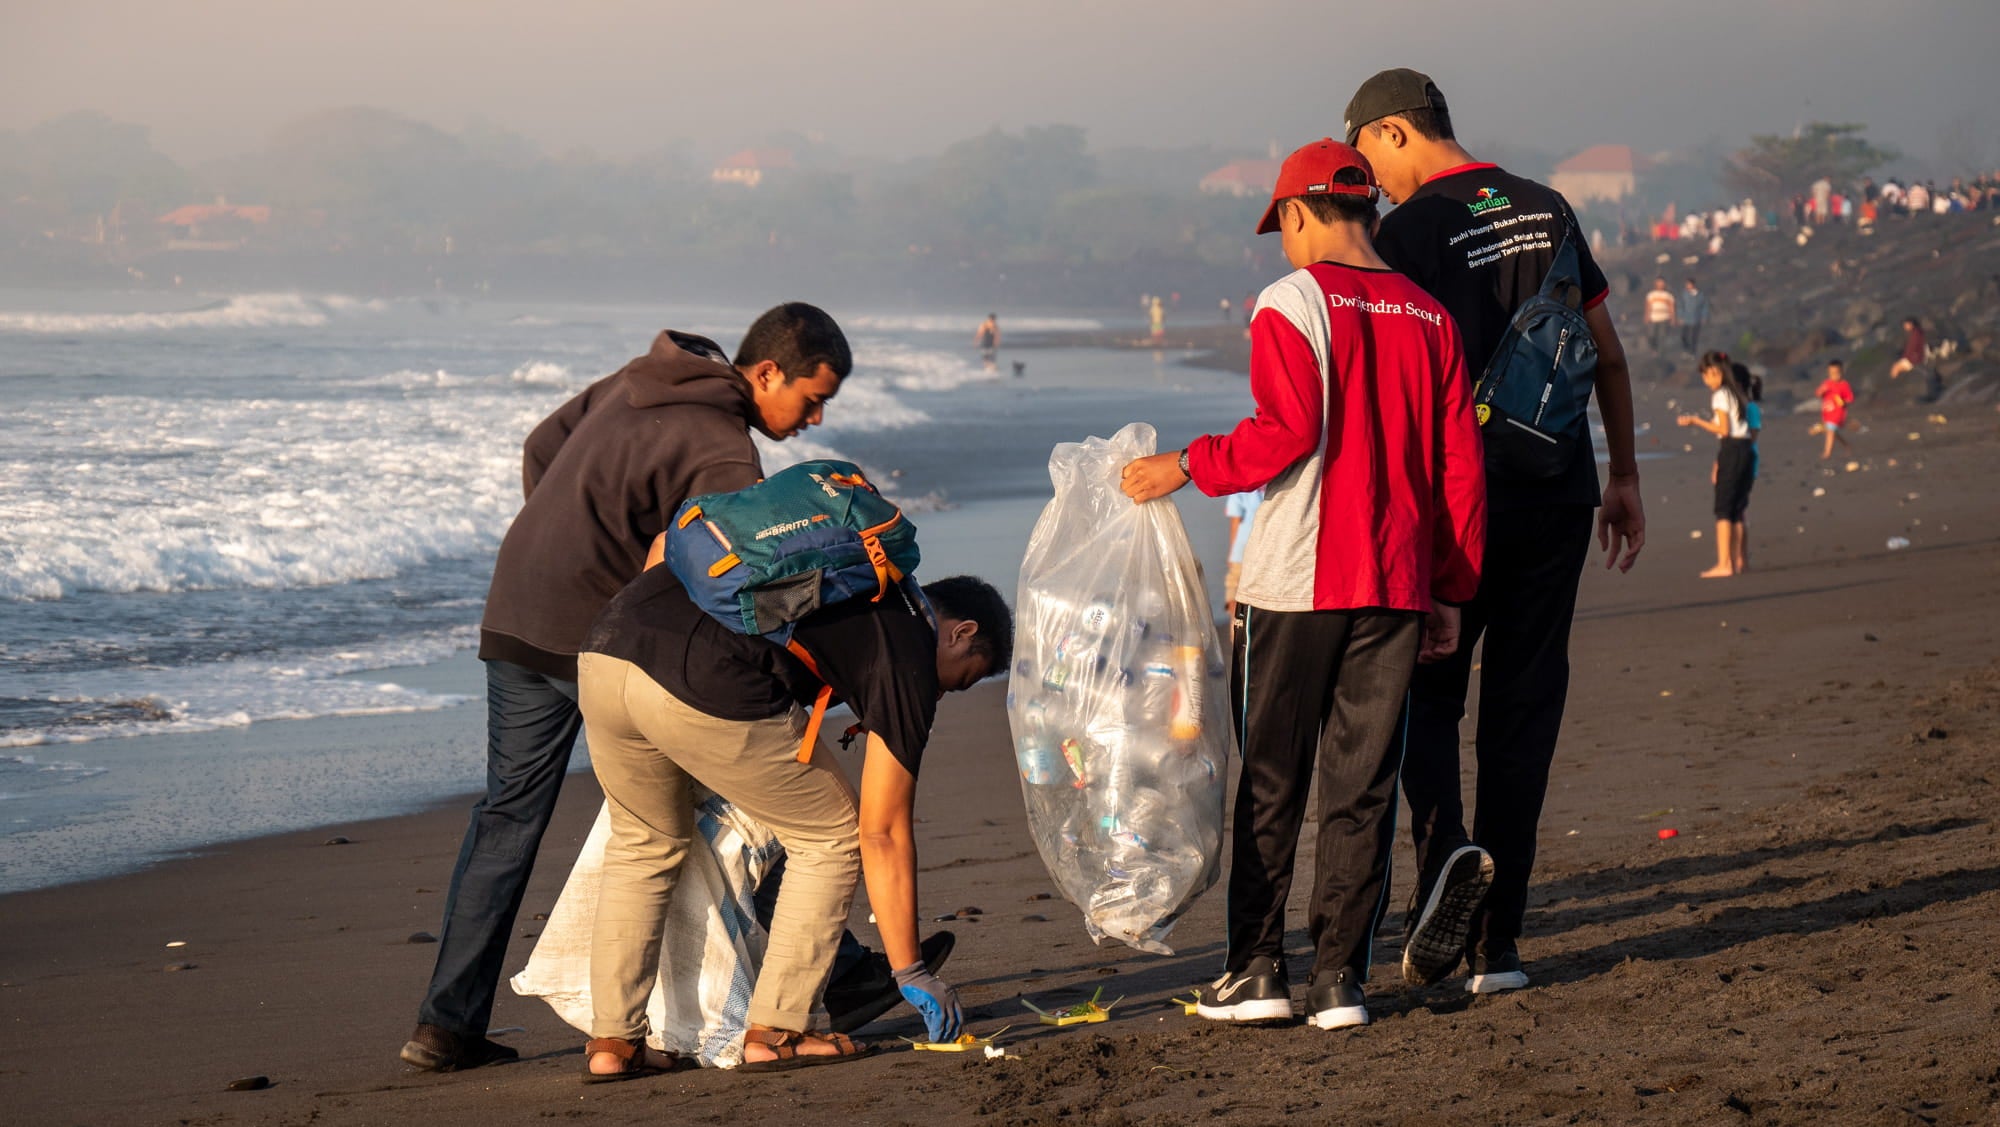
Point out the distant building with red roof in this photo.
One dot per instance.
(196, 214)
(1600, 172)
(213, 226)
(751, 166)
(1241, 178)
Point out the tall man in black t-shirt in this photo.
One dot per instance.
(1481, 241)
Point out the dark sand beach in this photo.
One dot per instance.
(1815, 946)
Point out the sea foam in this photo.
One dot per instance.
(268, 310)
(958, 323)
(235, 693)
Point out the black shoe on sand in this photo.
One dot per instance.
(869, 990)
(435, 1049)
(1337, 1002)
(1437, 939)
(1258, 992)
(1496, 967)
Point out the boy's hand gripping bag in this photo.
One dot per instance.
(1119, 700)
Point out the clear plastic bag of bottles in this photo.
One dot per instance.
(1119, 699)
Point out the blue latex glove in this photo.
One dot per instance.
(934, 999)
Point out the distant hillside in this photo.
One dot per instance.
(1842, 295)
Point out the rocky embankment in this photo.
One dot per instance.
(1786, 302)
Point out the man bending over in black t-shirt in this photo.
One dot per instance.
(1481, 241)
(671, 696)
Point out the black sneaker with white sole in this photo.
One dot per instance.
(1436, 941)
(1258, 992)
(1336, 1002)
(1496, 968)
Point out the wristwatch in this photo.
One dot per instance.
(1183, 465)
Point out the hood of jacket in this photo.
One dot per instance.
(685, 368)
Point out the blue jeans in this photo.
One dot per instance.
(532, 722)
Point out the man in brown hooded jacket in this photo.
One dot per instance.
(602, 477)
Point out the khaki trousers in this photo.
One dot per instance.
(645, 746)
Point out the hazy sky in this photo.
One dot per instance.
(898, 77)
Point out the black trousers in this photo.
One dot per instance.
(1526, 600)
(1325, 688)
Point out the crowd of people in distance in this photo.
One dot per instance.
(1863, 203)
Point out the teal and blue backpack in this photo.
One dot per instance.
(809, 536)
(1533, 401)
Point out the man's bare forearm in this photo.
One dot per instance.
(1614, 393)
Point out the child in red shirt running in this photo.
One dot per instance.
(1834, 396)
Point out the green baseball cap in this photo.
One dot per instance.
(1391, 92)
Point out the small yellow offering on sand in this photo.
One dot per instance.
(1083, 1013)
(965, 1042)
(1191, 1004)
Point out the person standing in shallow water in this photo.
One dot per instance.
(987, 339)
(601, 478)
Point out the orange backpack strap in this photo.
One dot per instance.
(878, 556)
(820, 702)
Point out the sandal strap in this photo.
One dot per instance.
(783, 1043)
(624, 1048)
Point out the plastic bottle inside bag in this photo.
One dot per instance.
(1156, 686)
(1190, 683)
(1034, 751)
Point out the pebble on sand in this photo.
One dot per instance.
(171, 967)
(250, 1084)
(338, 841)
(422, 937)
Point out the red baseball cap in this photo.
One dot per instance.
(1310, 170)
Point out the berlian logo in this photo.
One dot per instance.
(1488, 199)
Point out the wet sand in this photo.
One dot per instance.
(1813, 947)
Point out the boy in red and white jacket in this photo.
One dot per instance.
(1372, 529)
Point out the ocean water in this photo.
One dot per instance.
(223, 511)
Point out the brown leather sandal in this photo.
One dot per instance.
(633, 1053)
(785, 1042)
